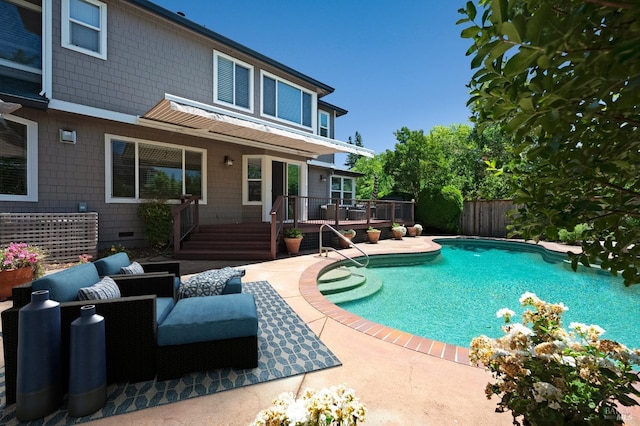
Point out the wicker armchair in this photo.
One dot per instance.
(130, 327)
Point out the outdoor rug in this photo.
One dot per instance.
(287, 347)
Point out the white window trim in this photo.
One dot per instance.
(32, 161)
(314, 102)
(235, 61)
(136, 199)
(102, 31)
(245, 179)
(321, 113)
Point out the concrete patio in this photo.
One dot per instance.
(398, 382)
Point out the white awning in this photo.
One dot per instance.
(215, 123)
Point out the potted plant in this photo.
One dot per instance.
(399, 231)
(19, 264)
(373, 234)
(293, 239)
(549, 375)
(412, 231)
(348, 234)
(418, 228)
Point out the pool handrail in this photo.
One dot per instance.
(351, 245)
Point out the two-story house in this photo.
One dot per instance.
(107, 103)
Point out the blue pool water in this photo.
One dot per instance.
(455, 297)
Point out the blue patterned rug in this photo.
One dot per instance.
(287, 347)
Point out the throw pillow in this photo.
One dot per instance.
(106, 288)
(133, 269)
(208, 283)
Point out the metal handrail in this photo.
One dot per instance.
(327, 249)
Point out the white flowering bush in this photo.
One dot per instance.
(334, 406)
(551, 376)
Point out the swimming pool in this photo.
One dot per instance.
(454, 297)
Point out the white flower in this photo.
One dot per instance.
(505, 312)
(520, 329)
(577, 326)
(296, 412)
(567, 360)
(528, 296)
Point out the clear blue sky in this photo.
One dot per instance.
(392, 63)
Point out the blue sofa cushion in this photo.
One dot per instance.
(164, 305)
(203, 319)
(106, 288)
(111, 265)
(133, 269)
(64, 285)
(208, 283)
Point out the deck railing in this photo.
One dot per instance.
(336, 211)
(186, 219)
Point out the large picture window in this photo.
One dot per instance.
(286, 102)
(84, 27)
(147, 170)
(233, 81)
(18, 160)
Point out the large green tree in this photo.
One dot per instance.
(563, 76)
(430, 160)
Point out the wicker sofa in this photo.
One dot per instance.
(130, 321)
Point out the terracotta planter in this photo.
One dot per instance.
(412, 231)
(343, 243)
(397, 234)
(13, 277)
(293, 244)
(374, 236)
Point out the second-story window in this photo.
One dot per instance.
(20, 37)
(286, 101)
(84, 27)
(232, 81)
(323, 124)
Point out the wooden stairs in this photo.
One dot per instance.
(238, 241)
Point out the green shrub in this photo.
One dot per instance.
(440, 209)
(573, 237)
(158, 220)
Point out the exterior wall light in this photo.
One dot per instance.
(228, 161)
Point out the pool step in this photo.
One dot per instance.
(345, 284)
(336, 274)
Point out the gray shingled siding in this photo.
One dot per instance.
(146, 58)
(69, 174)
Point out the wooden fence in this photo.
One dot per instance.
(486, 218)
(64, 236)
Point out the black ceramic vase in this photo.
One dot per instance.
(87, 366)
(38, 383)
